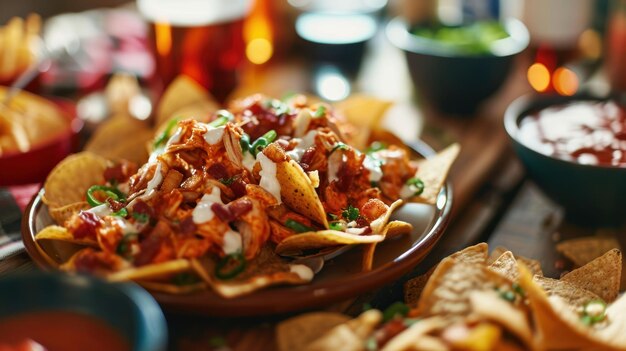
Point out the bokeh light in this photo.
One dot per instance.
(565, 81)
(538, 77)
(259, 50)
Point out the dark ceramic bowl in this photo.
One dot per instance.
(456, 83)
(127, 308)
(590, 194)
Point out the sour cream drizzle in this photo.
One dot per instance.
(231, 242)
(175, 138)
(373, 164)
(203, 212)
(101, 210)
(269, 181)
(213, 135)
(304, 272)
(303, 144)
(154, 183)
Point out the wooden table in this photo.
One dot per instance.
(493, 202)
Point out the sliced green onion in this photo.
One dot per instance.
(263, 141)
(141, 217)
(508, 295)
(416, 184)
(350, 213)
(338, 225)
(376, 146)
(110, 192)
(339, 146)
(123, 248)
(223, 117)
(297, 226)
(162, 138)
(245, 143)
(279, 107)
(121, 213)
(320, 112)
(594, 311)
(397, 309)
(230, 266)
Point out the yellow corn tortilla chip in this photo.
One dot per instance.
(407, 338)
(433, 171)
(348, 336)
(298, 193)
(484, 336)
(172, 288)
(121, 137)
(63, 213)
(57, 233)
(532, 264)
(600, 276)
(413, 288)
(573, 295)
(476, 254)
(297, 332)
(183, 91)
(583, 250)
(266, 269)
(489, 305)
(382, 226)
(559, 327)
(321, 239)
(68, 182)
(506, 266)
(151, 271)
(496, 253)
(363, 110)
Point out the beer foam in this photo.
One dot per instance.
(190, 13)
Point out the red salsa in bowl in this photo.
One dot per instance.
(585, 132)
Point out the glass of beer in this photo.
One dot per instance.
(202, 39)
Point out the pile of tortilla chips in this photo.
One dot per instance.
(475, 301)
(232, 200)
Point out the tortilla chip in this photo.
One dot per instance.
(559, 327)
(63, 213)
(200, 111)
(489, 305)
(183, 91)
(68, 182)
(506, 266)
(407, 338)
(171, 288)
(348, 336)
(151, 271)
(121, 138)
(476, 254)
(298, 193)
(496, 253)
(296, 244)
(413, 288)
(447, 291)
(266, 269)
(484, 336)
(297, 332)
(57, 233)
(532, 264)
(573, 295)
(584, 250)
(433, 171)
(382, 226)
(601, 276)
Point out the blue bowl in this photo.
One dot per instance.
(590, 194)
(454, 82)
(125, 307)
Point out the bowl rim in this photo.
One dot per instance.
(518, 40)
(519, 108)
(151, 333)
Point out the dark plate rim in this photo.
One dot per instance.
(281, 299)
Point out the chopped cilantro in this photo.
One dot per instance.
(351, 213)
(396, 309)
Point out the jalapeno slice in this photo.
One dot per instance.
(110, 192)
(230, 266)
(297, 226)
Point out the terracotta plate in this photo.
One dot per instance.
(340, 278)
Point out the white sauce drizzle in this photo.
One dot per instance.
(248, 161)
(302, 121)
(231, 242)
(407, 191)
(203, 212)
(304, 272)
(372, 164)
(334, 162)
(269, 181)
(101, 210)
(214, 135)
(302, 145)
(356, 231)
(126, 226)
(154, 183)
(161, 149)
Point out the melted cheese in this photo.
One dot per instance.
(304, 272)
(214, 135)
(231, 242)
(203, 212)
(269, 181)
